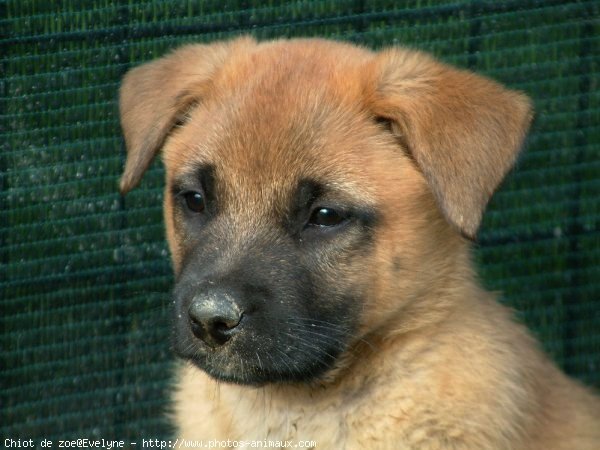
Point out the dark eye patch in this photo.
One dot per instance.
(317, 208)
(196, 190)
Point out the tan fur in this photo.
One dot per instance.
(436, 363)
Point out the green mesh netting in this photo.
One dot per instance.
(85, 275)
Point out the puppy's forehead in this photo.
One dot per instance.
(276, 117)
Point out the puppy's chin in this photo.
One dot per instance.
(260, 368)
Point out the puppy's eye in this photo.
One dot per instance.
(325, 217)
(194, 201)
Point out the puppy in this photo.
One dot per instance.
(319, 205)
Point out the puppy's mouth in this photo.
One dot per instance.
(257, 348)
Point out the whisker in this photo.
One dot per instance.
(322, 338)
(316, 323)
(259, 361)
(283, 359)
(322, 324)
(308, 346)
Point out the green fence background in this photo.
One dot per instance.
(85, 276)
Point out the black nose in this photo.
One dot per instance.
(214, 317)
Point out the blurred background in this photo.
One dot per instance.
(85, 274)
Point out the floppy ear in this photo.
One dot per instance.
(155, 95)
(464, 131)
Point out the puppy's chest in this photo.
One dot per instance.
(285, 420)
(341, 424)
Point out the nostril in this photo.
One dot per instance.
(222, 327)
(194, 321)
(197, 328)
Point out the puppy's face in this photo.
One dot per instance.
(310, 202)
(276, 216)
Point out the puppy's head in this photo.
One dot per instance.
(315, 193)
